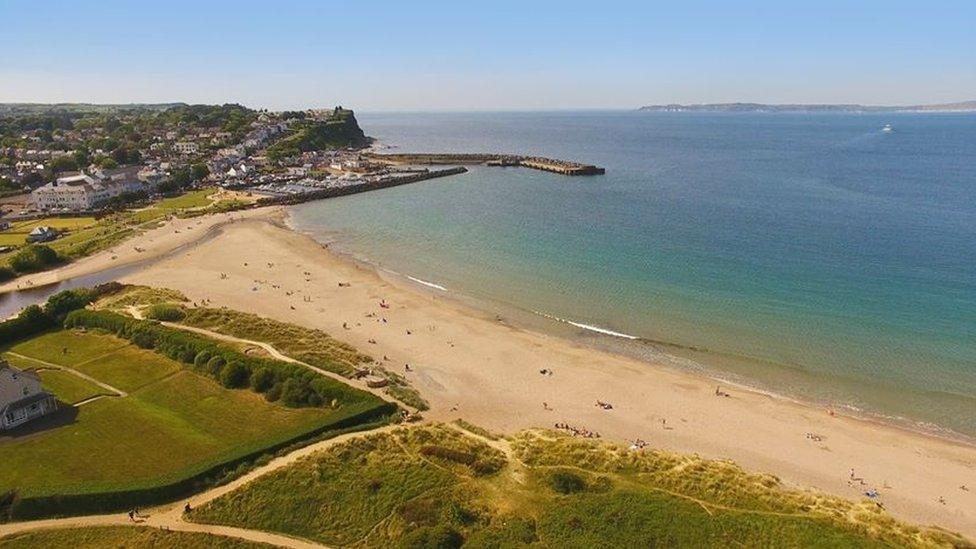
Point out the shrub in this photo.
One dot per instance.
(200, 361)
(565, 482)
(234, 375)
(35, 257)
(434, 537)
(274, 393)
(215, 365)
(6, 273)
(261, 380)
(166, 312)
(62, 303)
(30, 321)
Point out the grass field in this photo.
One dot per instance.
(68, 387)
(123, 537)
(192, 199)
(431, 486)
(173, 424)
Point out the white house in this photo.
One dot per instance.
(152, 177)
(21, 397)
(77, 193)
(41, 234)
(186, 147)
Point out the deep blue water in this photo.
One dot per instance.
(810, 254)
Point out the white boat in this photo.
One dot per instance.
(886, 128)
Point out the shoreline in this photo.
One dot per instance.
(662, 354)
(470, 365)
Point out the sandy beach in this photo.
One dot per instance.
(469, 365)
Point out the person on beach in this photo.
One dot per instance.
(132, 516)
(187, 508)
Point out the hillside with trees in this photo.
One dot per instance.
(339, 129)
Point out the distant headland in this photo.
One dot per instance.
(964, 106)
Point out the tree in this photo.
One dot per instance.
(199, 171)
(234, 375)
(262, 379)
(62, 164)
(62, 303)
(81, 157)
(33, 258)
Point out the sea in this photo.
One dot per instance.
(813, 256)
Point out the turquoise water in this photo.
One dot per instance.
(813, 255)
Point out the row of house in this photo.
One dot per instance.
(82, 191)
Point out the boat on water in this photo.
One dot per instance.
(887, 128)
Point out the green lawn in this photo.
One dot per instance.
(192, 199)
(61, 223)
(174, 425)
(129, 368)
(69, 347)
(123, 537)
(411, 488)
(16, 235)
(68, 387)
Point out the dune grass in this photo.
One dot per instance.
(123, 537)
(312, 346)
(338, 497)
(173, 424)
(436, 486)
(140, 296)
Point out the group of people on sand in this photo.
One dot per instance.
(604, 405)
(577, 431)
(638, 444)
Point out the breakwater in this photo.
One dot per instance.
(563, 167)
(355, 188)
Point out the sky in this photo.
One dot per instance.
(501, 55)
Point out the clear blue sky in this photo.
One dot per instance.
(427, 55)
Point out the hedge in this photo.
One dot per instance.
(356, 418)
(295, 385)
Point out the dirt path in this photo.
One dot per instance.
(106, 386)
(170, 517)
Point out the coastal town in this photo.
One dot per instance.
(78, 162)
